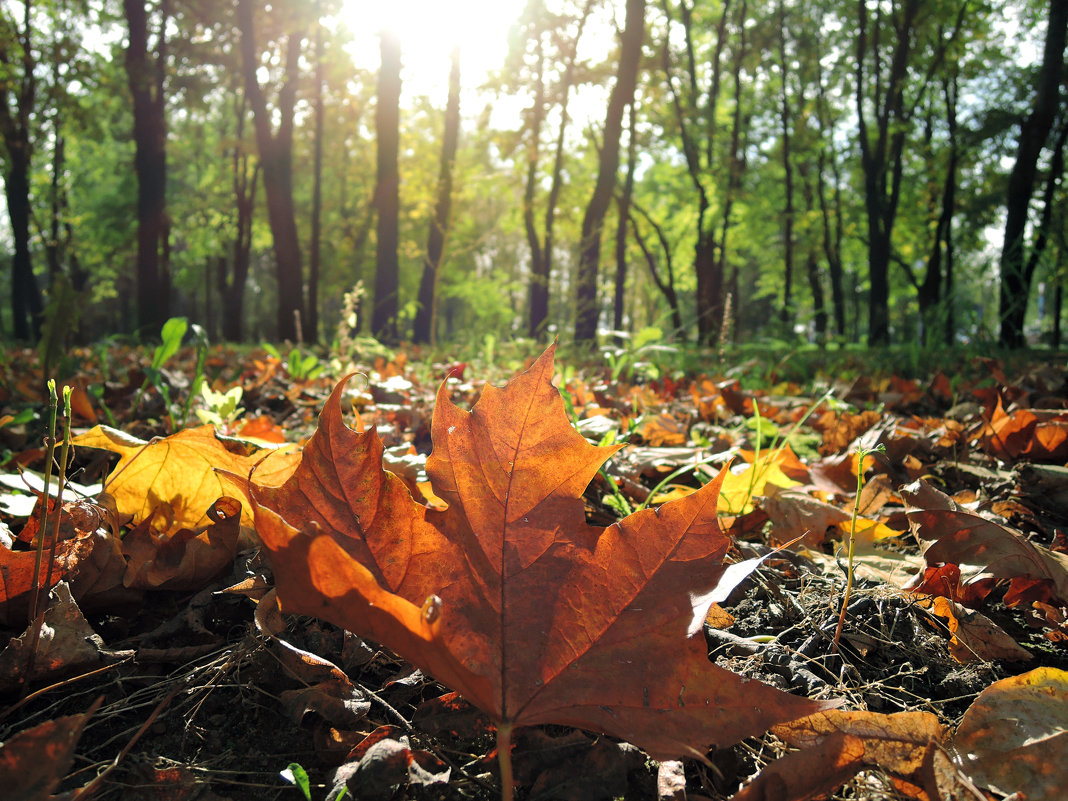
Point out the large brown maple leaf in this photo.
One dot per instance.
(508, 596)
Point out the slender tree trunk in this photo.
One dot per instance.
(586, 307)
(542, 253)
(426, 317)
(17, 77)
(666, 285)
(538, 303)
(621, 228)
(387, 192)
(145, 76)
(830, 212)
(1015, 281)
(276, 160)
(786, 314)
(311, 326)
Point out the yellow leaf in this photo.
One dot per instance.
(179, 472)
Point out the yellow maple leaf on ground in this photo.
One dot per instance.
(178, 473)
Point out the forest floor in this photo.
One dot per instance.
(184, 682)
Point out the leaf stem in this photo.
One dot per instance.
(504, 760)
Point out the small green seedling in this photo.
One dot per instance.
(221, 409)
(862, 453)
(300, 367)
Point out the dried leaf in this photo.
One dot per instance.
(34, 761)
(508, 596)
(974, 637)
(983, 551)
(1014, 736)
(836, 745)
(188, 558)
(179, 471)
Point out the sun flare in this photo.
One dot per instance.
(428, 30)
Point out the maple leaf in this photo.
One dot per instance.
(177, 472)
(508, 595)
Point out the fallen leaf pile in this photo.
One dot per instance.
(660, 562)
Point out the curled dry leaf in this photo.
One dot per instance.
(65, 645)
(836, 745)
(973, 636)
(188, 558)
(508, 595)
(982, 551)
(1014, 736)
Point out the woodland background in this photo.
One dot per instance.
(830, 171)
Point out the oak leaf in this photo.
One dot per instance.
(508, 595)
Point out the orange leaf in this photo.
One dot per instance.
(508, 596)
(836, 745)
(974, 636)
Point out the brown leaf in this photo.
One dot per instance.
(508, 596)
(983, 550)
(836, 745)
(974, 637)
(1014, 736)
(34, 761)
(64, 645)
(187, 559)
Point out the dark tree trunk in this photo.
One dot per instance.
(387, 191)
(425, 318)
(311, 327)
(26, 301)
(587, 310)
(786, 314)
(538, 304)
(17, 78)
(232, 289)
(666, 285)
(621, 229)
(697, 122)
(25, 294)
(145, 78)
(276, 160)
(830, 211)
(1015, 276)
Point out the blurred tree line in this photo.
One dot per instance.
(873, 170)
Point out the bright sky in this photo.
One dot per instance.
(428, 30)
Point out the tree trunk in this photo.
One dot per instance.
(1015, 280)
(621, 228)
(387, 192)
(830, 212)
(542, 253)
(881, 154)
(311, 326)
(425, 318)
(276, 160)
(786, 314)
(538, 302)
(586, 308)
(145, 79)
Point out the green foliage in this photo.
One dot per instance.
(220, 408)
(299, 365)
